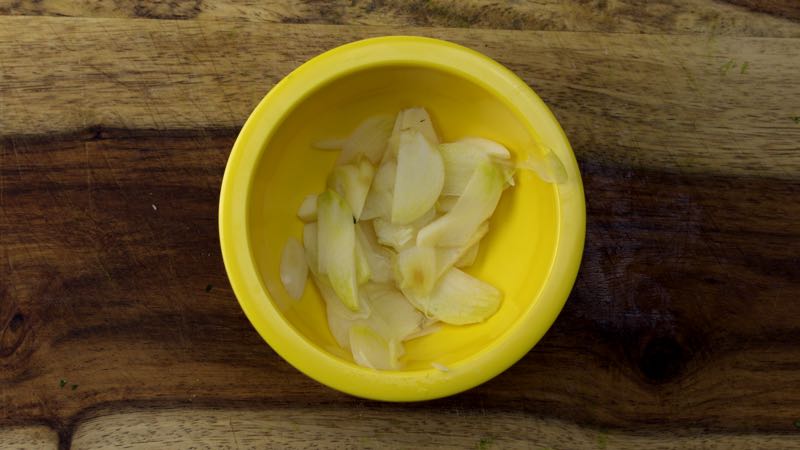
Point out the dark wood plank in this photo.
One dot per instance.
(683, 314)
(776, 18)
(780, 8)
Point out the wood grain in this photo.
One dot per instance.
(113, 138)
(722, 105)
(782, 8)
(369, 428)
(28, 438)
(776, 18)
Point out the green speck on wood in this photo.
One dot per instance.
(209, 288)
(728, 66)
(796, 119)
(74, 386)
(744, 67)
(485, 442)
(61, 383)
(797, 424)
(602, 440)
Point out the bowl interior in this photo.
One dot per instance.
(517, 254)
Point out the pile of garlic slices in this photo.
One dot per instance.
(385, 243)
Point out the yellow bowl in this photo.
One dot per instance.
(532, 252)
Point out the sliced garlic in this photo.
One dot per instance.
(548, 167)
(459, 299)
(432, 326)
(372, 350)
(294, 271)
(419, 180)
(460, 160)
(469, 257)
(490, 148)
(341, 318)
(475, 205)
(446, 203)
(383, 244)
(337, 305)
(311, 246)
(368, 139)
(339, 327)
(363, 269)
(379, 199)
(419, 119)
(400, 237)
(447, 257)
(398, 318)
(416, 270)
(416, 119)
(336, 246)
(352, 181)
(378, 257)
(307, 212)
(395, 236)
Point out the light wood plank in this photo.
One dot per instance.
(695, 105)
(28, 438)
(368, 428)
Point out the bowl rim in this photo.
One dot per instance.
(254, 298)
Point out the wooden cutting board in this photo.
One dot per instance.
(118, 326)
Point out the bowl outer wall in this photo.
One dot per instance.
(314, 361)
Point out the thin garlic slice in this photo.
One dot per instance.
(429, 327)
(419, 180)
(446, 203)
(307, 212)
(416, 270)
(368, 139)
(395, 236)
(459, 299)
(311, 247)
(490, 148)
(398, 318)
(447, 257)
(475, 205)
(336, 246)
(379, 199)
(294, 271)
(462, 157)
(341, 318)
(352, 181)
(469, 257)
(363, 268)
(416, 119)
(548, 167)
(378, 257)
(372, 350)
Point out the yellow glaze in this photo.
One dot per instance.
(532, 251)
